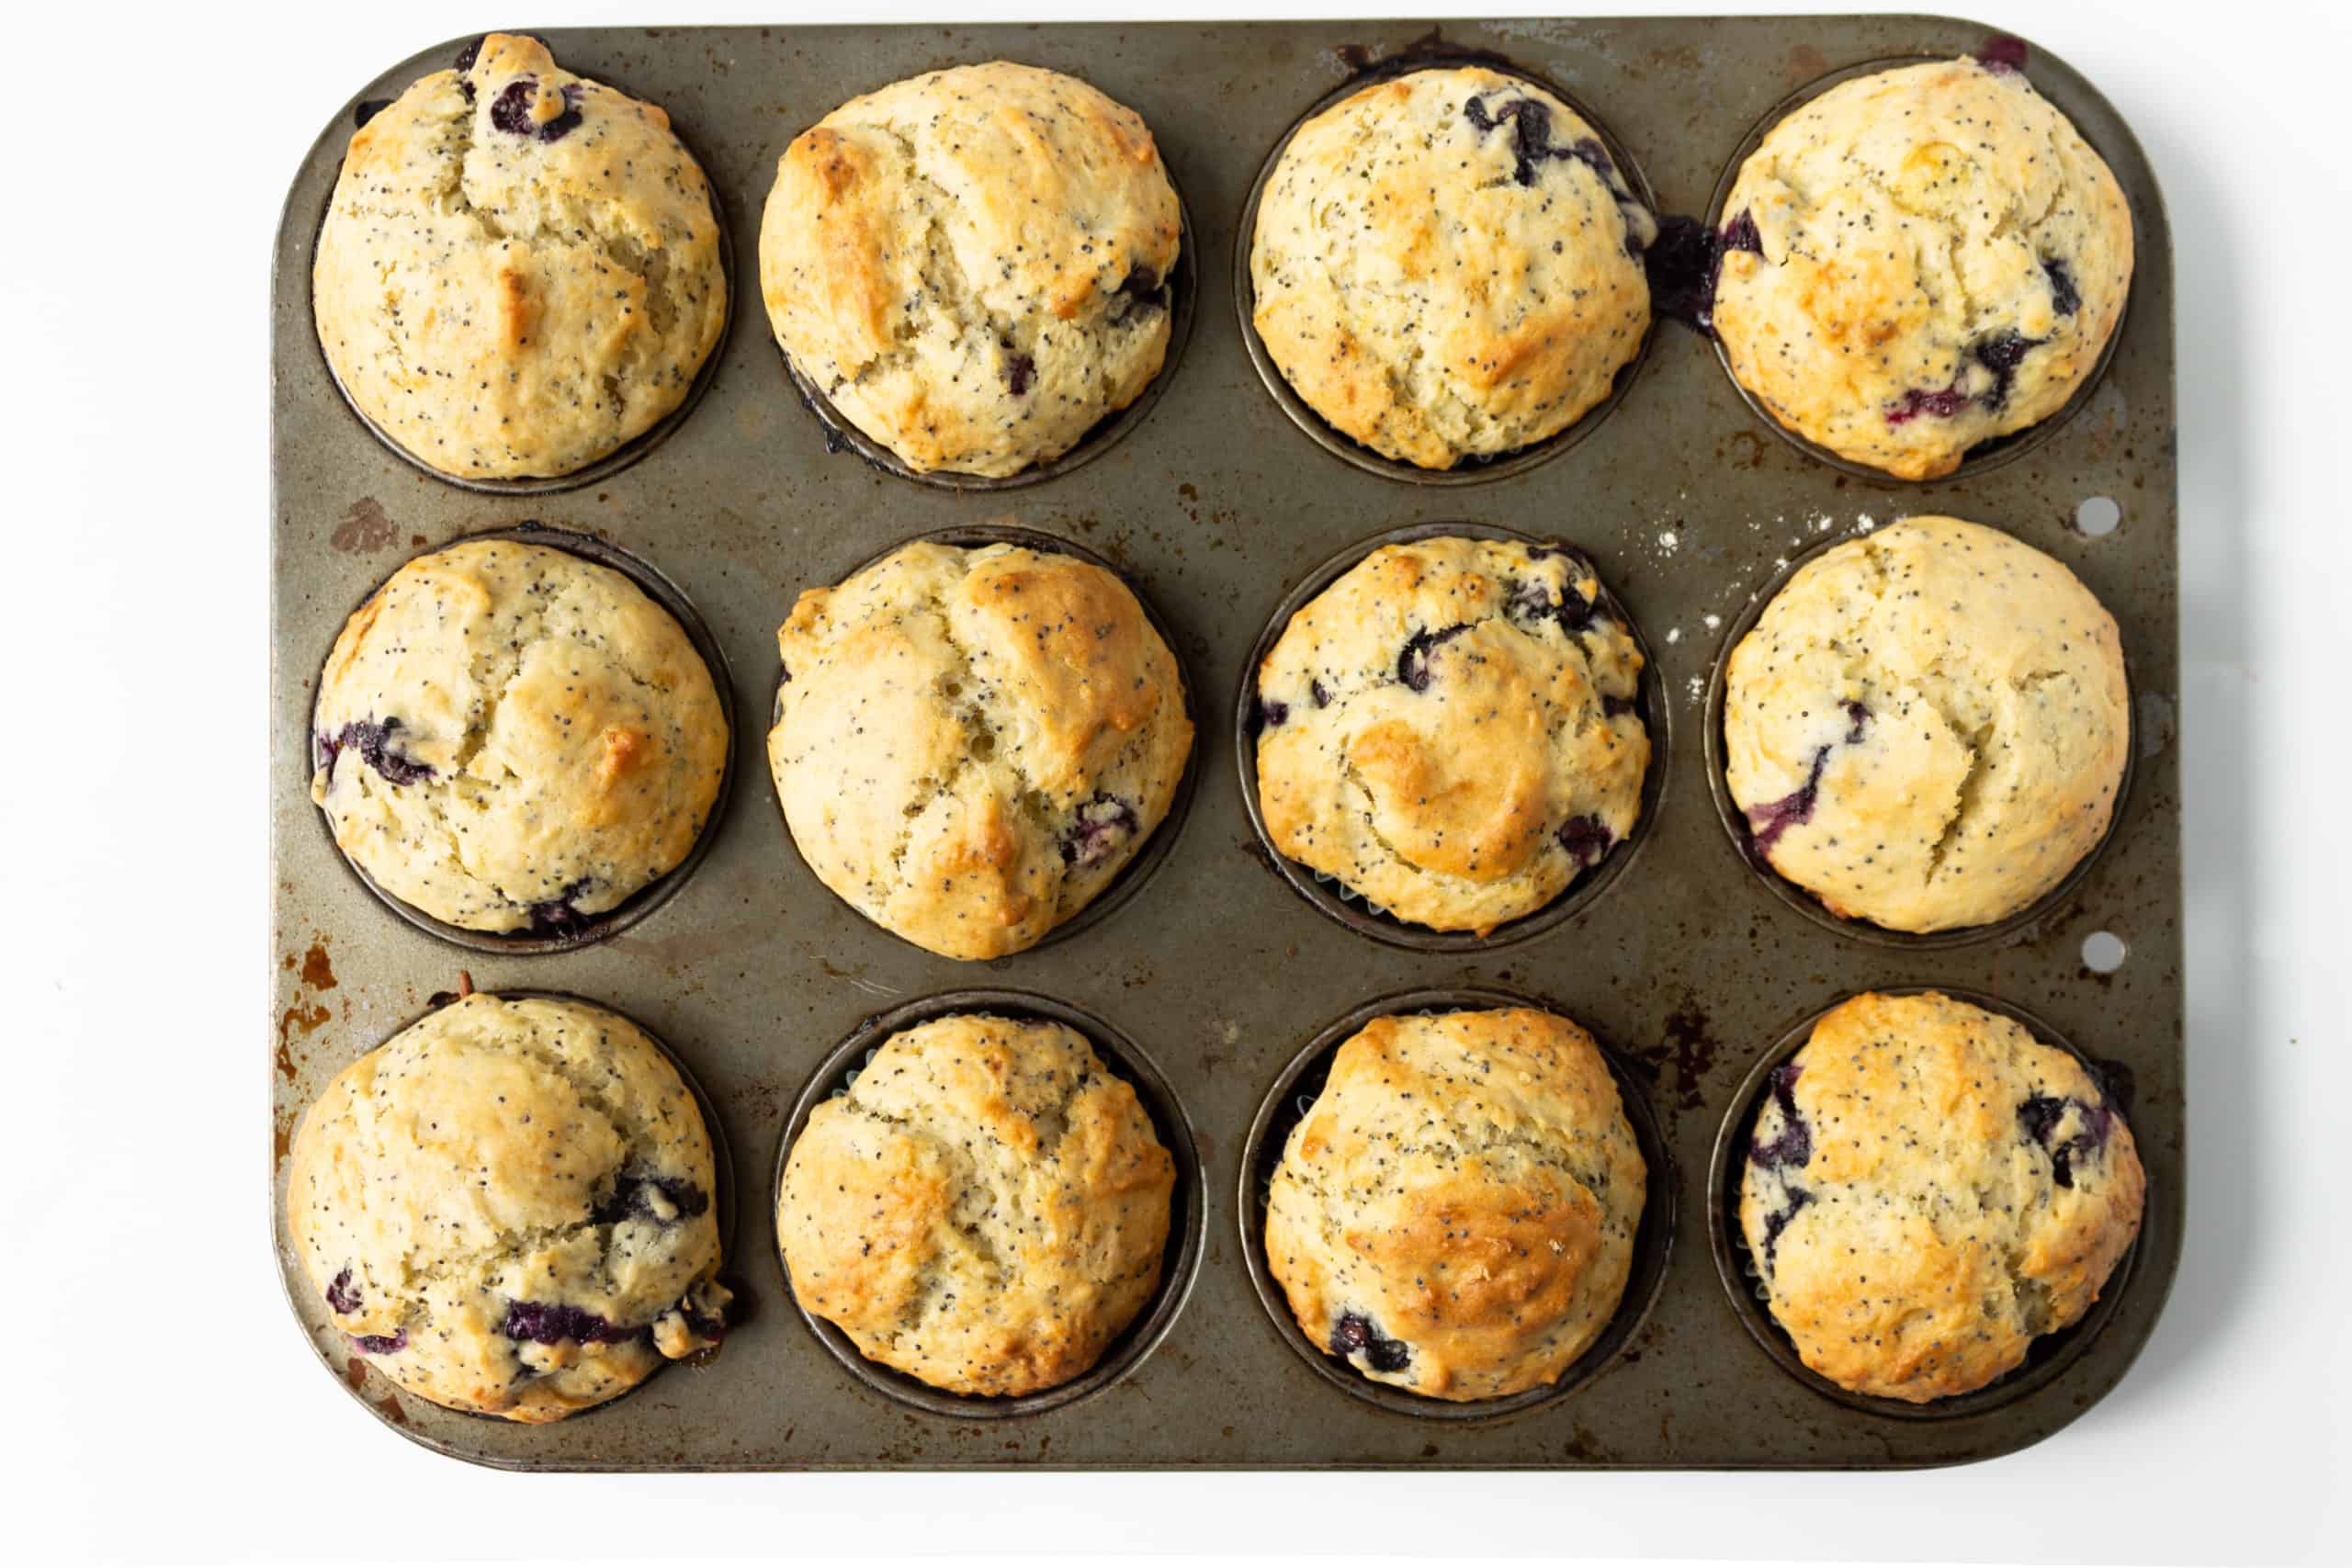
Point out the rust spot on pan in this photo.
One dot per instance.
(364, 528)
(297, 1018)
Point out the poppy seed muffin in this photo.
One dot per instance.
(1927, 726)
(1929, 1187)
(1451, 730)
(985, 1209)
(971, 743)
(972, 264)
(512, 737)
(1920, 261)
(519, 273)
(1447, 266)
(509, 1207)
(1455, 1214)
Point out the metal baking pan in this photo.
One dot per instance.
(1219, 972)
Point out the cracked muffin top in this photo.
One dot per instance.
(985, 1209)
(1920, 261)
(1451, 730)
(1929, 1187)
(1927, 727)
(971, 743)
(508, 1208)
(1449, 265)
(1455, 1214)
(519, 271)
(511, 738)
(972, 265)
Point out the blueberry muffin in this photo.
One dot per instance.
(519, 272)
(1918, 260)
(1927, 727)
(1448, 265)
(985, 1209)
(971, 743)
(511, 738)
(1455, 1214)
(509, 1207)
(1451, 730)
(972, 265)
(1927, 1187)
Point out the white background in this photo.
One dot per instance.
(162, 1403)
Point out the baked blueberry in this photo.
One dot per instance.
(1413, 664)
(1794, 1144)
(376, 749)
(1104, 826)
(522, 109)
(1355, 1336)
(552, 1323)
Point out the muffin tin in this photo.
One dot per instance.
(1215, 507)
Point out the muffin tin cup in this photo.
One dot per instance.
(1179, 1263)
(1358, 913)
(2050, 1355)
(1157, 844)
(628, 453)
(654, 894)
(1285, 1105)
(722, 1198)
(2026, 925)
(1182, 283)
(1473, 470)
(1986, 456)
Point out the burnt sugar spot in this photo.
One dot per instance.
(1690, 1050)
(317, 973)
(364, 528)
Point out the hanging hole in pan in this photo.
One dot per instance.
(2097, 517)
